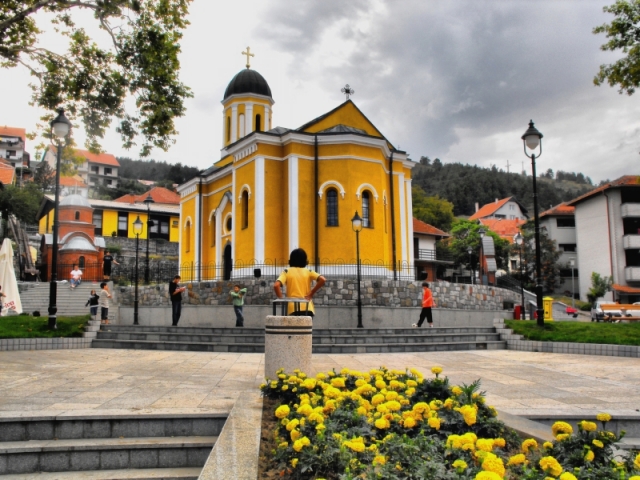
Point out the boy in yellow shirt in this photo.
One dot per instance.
(297, 280)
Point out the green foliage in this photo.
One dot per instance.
(549, 256)
(579, 332)
(623, 35)
(125, 186)
(114, 248)
(44, 177)
(23, 202)
(464, 185)
(432, 210)
(599, 286)
(21, 326)
(163, 173)
(94, 83)
(464, 234)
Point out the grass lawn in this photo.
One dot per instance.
(23, 326)
(579, 332)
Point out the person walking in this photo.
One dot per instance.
(92, 303)
(297, 280)
(238, 301)
(103, 301)
(107, 260)
(427, 304)
(175, 293)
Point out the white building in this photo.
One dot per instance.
(12, 149)
(506, 209)
(607, 230)
(95, 169)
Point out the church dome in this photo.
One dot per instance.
(75, 201)
(247, 81)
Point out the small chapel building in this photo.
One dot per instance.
(275, 189)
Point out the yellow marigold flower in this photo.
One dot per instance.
(492, 463)
(393, 406)
(320, 427)
(409, 422)
(331, 374)
(293, 424)
(295, 434)
(562, 436)
(282, 376)
(448, 403)
(332, 392)
(603, 417)
(434, 422)
(337, 436)
(382, 423)
(589, 456)
(356, 444)
(456, 390)
(551, 465)
(262, 386)
(485, 444)
(435, 404)
(321, 376)
(329, 407)
(636, 462)
(294, 462)
(301, 443)
(282, 411)
(362, 410)
(283, 445)
(380, 384)
(412, 383)
(377, 399)
(518, 459)
(391, 396)
(528, 444)
(409, 391)
(305, 410)
(547, 445)
(488, 476)
(360, 382)
(285, 387)
(460, 465)
(337, 382)
(398, 466)
(635, 477)
(588, 426)
(561, 427)
(494, 412)
(598, 443)
(468, 413)
(499, 442)
(379, 460)
(309, 383)
(421, 407)
(568, 476)
(436, 370)
(273, 384)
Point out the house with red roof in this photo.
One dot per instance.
(506, 209)
(429, 262)
(95, 169)
(7, 174)
(607, 226)
(158, 194)
(13, 143)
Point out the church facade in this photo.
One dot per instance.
(276, 189)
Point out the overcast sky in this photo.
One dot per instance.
(458, 80)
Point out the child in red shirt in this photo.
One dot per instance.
(427, 304)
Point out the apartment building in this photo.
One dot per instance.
(13, 149)
(95, 169)
(560, 225)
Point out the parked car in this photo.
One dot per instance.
(597, 314)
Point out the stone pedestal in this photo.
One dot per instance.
(287, 344)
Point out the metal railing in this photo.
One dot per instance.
(433, 255)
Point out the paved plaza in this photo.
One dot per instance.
(115, 382)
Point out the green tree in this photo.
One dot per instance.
(435, 211)
(93, 81)
(44, 177)
(599, 286)
(23, 202)
(624, 34)
(549, 256)
(125, 187)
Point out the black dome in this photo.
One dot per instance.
(247, 81)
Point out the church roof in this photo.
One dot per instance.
(247, 81)
(75, 201)
(78, 243)
(343, 129)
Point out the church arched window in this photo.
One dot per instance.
(245, 209)
(77, 215)
(367, 211)
(81, 262)
(187, 234)
(332, 207)
(242, 124)
(258, 123)
(228, 129)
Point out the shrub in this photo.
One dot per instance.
(390, 424)
(114, 248)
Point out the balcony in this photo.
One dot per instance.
(433, 256)
(630, 210)
(632, 274)
(631, 242)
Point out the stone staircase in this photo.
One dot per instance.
(35, 296)
(108, 447)
(335, 340)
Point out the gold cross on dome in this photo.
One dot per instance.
(248, 54)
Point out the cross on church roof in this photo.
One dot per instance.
(347, 90)
(249, 54)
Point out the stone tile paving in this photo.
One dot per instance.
(97, 382)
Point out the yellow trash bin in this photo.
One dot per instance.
(547, 305)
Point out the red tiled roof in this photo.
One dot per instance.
(72, 181)
(624, 181)
(159, 195)
(424, 228)
(505, 228)
(14, 132)
(561, 209)
(7, 174)
(625, 289)
(489, 209)
(101, 158)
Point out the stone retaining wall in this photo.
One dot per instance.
(8, 344)
(384, 293)
(128, 246)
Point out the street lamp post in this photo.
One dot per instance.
(60, 127)
(137, 229)
(519, 239)
(573, 292)
(481, 232)
(356, 224)
(148, 201)
(531, 139)
(470, 251)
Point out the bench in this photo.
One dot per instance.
(623, 308)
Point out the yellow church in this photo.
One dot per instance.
(276, 189)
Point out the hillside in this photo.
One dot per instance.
(464, 185)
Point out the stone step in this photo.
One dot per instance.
(259, 348)
(104, 454)
(132, 473)
(629, 443)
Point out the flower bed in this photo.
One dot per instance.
(389, 424)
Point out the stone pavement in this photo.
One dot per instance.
(116, 382)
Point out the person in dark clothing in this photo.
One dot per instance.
(175, 293)
(107, 260)
(92, 303)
